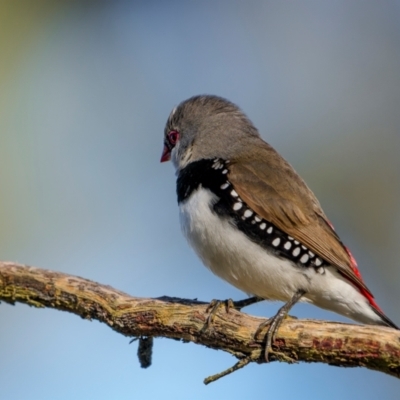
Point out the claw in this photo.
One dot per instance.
(229, 303)
(213, 306)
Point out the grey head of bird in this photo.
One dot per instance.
(205, 127)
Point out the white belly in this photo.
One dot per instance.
(228, 253)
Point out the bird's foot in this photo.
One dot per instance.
(213, 308)
(229, 304)
(273, 325)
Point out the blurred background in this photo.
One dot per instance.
(85, 90)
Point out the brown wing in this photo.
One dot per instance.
(271, 187)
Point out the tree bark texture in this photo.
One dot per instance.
(337, 344)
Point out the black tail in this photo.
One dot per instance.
(385, 320)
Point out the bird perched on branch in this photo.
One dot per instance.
(253, 221)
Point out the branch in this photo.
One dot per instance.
(337, 344)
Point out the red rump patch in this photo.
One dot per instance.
(353, 263)
(364, 292)
(354, 267)
(331, 225)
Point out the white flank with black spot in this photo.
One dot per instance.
(228, 253)
(257, 258)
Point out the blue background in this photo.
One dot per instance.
(85, 90)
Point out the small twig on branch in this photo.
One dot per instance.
(337, 344)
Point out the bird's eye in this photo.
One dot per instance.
(173, 137)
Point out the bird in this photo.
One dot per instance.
(252, 219)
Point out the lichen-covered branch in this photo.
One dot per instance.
(301, 340)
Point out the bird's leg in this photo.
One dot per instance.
(237, 305)
(275, 322)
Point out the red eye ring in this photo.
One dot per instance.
(173, 137)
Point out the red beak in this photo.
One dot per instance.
(166, 154)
